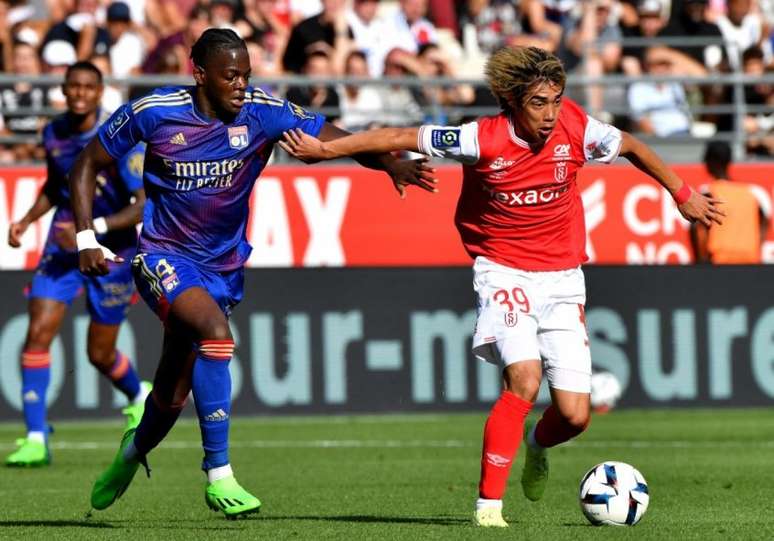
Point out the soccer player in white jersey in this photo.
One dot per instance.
(520, 217)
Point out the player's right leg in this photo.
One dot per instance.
(506, 335)
(53, 287)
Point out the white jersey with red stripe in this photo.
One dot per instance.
(521, 207)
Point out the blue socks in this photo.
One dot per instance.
(211, 387)
(36, 374)
(124, 377)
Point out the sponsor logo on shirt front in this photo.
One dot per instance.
(528, 197)
(196, 175)
(237, 137)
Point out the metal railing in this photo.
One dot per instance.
(434, 112)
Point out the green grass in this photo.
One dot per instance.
(402, 477)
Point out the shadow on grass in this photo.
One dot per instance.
(54, 524)
(378, 519)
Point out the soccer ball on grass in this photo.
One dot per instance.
(613, 493)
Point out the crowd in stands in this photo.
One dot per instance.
(419, 39)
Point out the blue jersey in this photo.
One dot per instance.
(115, 185)
(199, 172)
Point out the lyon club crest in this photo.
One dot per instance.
(237, 137)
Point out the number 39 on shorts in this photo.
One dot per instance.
(512, 299)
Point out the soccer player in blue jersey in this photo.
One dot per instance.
(118, 208)
(207, 145)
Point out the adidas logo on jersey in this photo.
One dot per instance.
(178, 139)
(30, 397)
(217, 415)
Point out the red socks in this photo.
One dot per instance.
(552, 430)
(502, 436)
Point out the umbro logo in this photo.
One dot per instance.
(178, 139)
(30, 397)
(217, 415)
(497, 461)
(500, 163)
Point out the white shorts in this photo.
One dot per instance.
(525, 315)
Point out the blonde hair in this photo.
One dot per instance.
(512, 71)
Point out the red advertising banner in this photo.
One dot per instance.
(349, 216)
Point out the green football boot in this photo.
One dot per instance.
(535, 474)
(115, 480)
(30, 454)
(228, 496)
(134, 412)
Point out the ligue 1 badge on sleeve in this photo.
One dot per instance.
(237, 137)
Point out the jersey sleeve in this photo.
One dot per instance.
(121, 132)
(130, 168)
(601, 142)
(458, 143)
(279, 115)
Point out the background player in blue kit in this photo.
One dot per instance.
(118, 207)
(207, 146)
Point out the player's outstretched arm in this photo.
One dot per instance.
(370, 149)
(83, 180)
(310, 149)
(694, 206)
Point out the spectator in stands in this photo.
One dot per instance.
(6, 38)
(173, 50)
(401, 107)
(361, 105)
(23, 95)
(327, 30)
(651, 20)
(80, 30)
(262, 25)
(738, 240)
(659, 108)
(112, 98)
(223, 13)
(594, 49)
(319, 97)
(127, 50)
(407, 28)
(758, 125)
(498, 23)
(370, 33)
(436, 64)
(57, 55)
(742, 28)
(689, 19)
(549, 18)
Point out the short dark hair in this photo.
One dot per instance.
(717, 155)
(215, 40)
(84, 65)
(752, 53)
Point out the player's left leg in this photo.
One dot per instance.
(567, 368)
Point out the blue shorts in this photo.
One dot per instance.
(107, 297)
(161, 278)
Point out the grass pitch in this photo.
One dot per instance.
(401, 477)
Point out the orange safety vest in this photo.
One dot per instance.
(738, 240)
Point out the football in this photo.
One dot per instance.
(605, 391)
(614, 493)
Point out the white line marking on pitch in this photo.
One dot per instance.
(402, 444)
